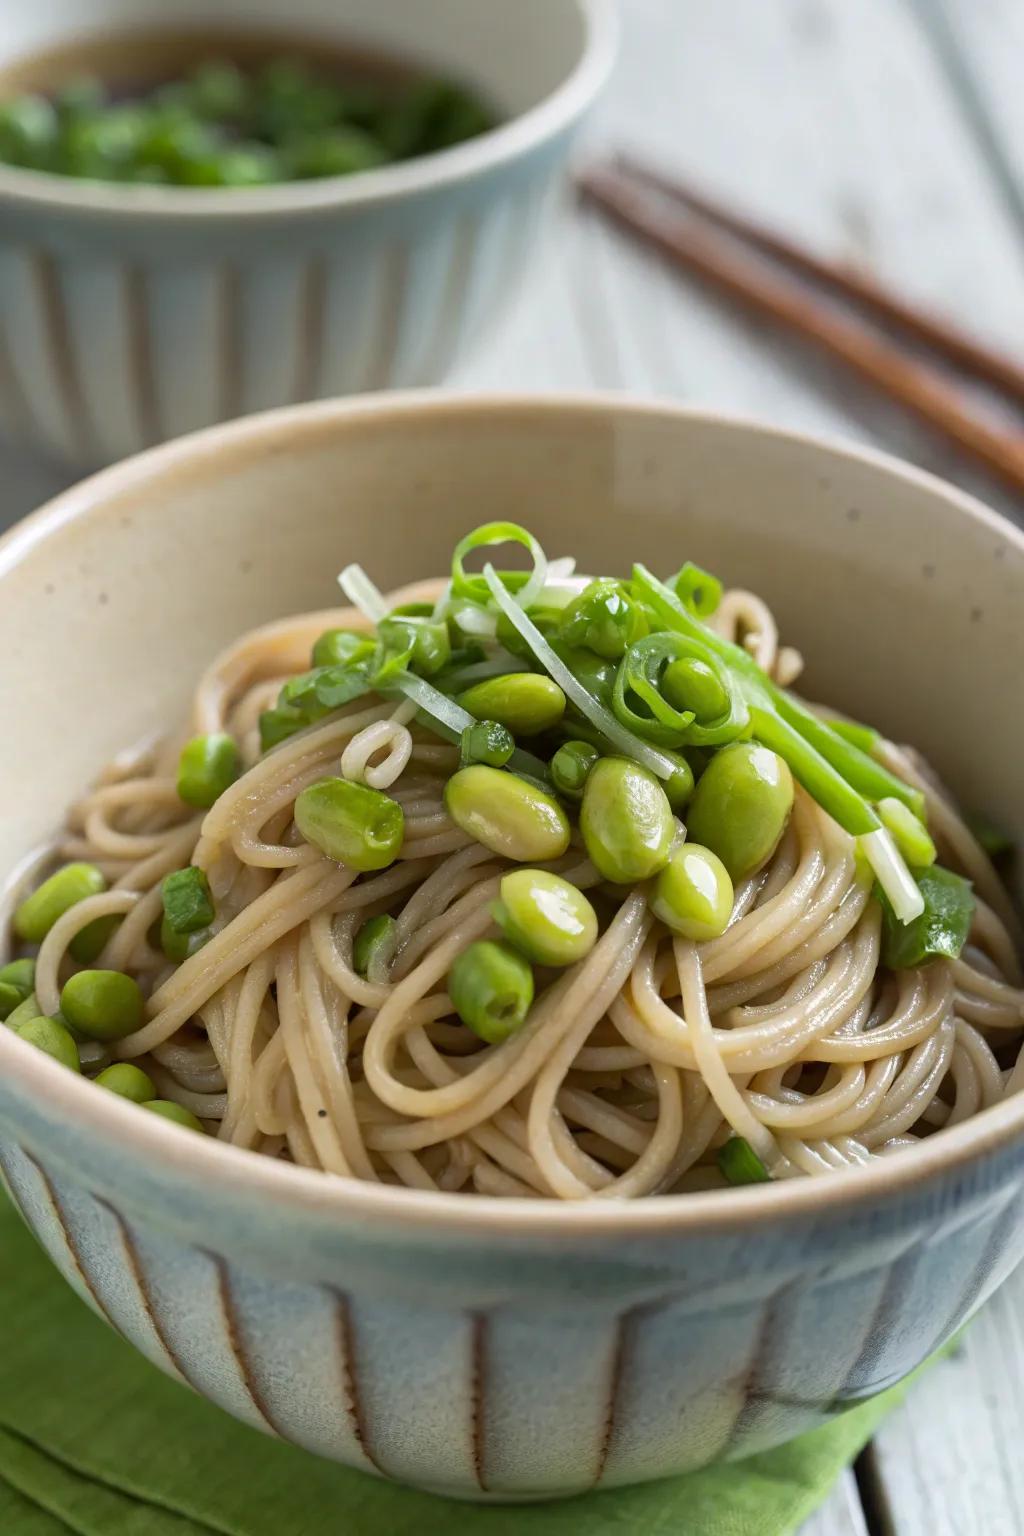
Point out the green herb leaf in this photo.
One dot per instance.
(942, 927)
(188, 905)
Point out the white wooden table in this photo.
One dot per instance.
(890, 132)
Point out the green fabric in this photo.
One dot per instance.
(116, 1449)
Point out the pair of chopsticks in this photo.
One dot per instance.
(710, 241)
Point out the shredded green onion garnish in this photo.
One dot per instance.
(602, 719)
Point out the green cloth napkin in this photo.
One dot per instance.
(95, 1442)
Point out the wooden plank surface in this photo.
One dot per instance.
(891, 133)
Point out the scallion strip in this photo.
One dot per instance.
(362, 593)
(892, 874)
(602, 719)
(449, 720)
(488, 534)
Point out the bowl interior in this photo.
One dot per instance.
(515, 54)
(902, 594)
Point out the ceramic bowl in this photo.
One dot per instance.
(505, 1349)
(131, 314)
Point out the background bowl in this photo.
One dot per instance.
(524, 1348)
(133, 314)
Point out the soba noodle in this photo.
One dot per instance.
(634, 1065)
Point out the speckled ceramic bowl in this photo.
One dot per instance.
(131, 314)
(482, 1348)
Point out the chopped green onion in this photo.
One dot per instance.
(738, 1163)
(899, 885)
(597, 714)
(863, 736)
(940, 927)
(475, 588)
(698, 589)
(188, 905)
(486, 742)
(911, 835)
(362, 593)
(339, 647)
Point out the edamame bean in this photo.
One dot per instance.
(36, 915)
(741, 805)
(127, 1081)
(509, 816)
(181, 946)
(27, 1009)
(626, 821)
(355, 825)
(486, 742)
(691, 684)
(491, 988)
(604, 619)
(339, 647)
(525, 702)
(911, 835)
(545, 917)
(17, 979)
(89, 942)
(693, 894)
(679, 787)
(104, 1005)
(174, 1112)
(53, 1037)
(570, 767)
(375, 937)
(207, 766)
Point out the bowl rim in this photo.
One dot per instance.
(112, 1122)
(508, 142)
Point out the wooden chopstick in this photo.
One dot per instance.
(701, 251)
(939, 335)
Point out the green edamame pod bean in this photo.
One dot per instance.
(53, 1037)
(511, 817)
(17, 979)
(180, 946)
(691, 684)
(570, 767)
(604, 619)
(626, 821)
(741, 806)
(545, 917)
(491, 988)
(174, 1112)
(355, 825)
(36, 915)
(207, 766)
(104, 1005)
(127, 1081)
(375, 937)
(525, 702)
(693, 894)
(89, 942)
(27, 1009)
(679, 787)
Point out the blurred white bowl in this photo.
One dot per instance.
(130, 314)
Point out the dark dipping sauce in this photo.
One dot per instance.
(223, 110)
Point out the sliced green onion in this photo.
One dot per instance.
(362, 593)
(738, 1163)
(623, 740)
(892, 874)
(698, 589)
(911, 835)
(188, 905)
(488, 534)
(486, 742)
(863, 736)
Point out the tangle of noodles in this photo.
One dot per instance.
(633, 1066)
